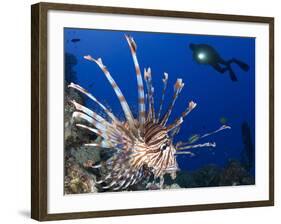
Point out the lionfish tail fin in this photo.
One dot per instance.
(141, 99)
(119, 94)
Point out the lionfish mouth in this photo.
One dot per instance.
(143, 145)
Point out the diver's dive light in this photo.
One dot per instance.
(201, 56)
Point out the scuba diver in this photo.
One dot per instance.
(205, 54)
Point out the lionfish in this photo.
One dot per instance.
(144, 144)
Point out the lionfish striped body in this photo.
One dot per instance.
(144, 145)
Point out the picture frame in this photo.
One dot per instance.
(42, 85)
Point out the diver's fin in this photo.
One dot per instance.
(241, 64)
(232, 75)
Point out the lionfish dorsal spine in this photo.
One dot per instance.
(118, 92)
(150, 93)
(141, 99)
(175, 126)
(165, 81)
(177, 89)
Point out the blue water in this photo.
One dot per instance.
(215, 94)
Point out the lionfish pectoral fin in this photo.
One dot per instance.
(207, 144)
(191, 147)
(112, 141)
(185, 153)
(100, 127)
(98, 121)
(120, 176)
(103, 144)
(85, 92)
(161, 182)
(198, 137)
(223, 127)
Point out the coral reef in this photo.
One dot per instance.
(235, 174)
(76, 179)
(211, 175)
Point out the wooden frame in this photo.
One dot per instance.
(39, 110)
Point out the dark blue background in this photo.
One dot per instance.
(215, 94)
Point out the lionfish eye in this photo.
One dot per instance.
(163, 147)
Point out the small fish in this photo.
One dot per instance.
(206, 54)
(75, 40)
(223, 120)
(193, 138)
(91, 85)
